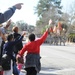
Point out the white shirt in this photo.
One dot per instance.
(3, 30)
(0, 40)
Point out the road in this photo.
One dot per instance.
(57, 60)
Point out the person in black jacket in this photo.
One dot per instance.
(16, 35)
(3, 31)
(8, 49)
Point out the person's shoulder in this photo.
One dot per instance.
(27, 44)
(17, 34)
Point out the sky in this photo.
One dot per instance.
(27, 11)
(67, 5)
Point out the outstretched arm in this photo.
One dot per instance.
(8, 13)
(19, 39)
(44, 36)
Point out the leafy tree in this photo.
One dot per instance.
(11, 26)
(46, 10)
(22, 25)
(71, 18)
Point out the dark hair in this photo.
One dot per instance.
(19, 59)
(10, 36)
(32, 37)
(15, 28)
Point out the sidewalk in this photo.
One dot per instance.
(70, 43)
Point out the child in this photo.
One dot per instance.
(20, 62)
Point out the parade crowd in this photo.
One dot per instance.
(13, 55)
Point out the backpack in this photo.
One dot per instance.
(19, 45)
(6, 62)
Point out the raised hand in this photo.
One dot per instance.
(8, 24)
(18, 6)
(24, 33)
(50, 21)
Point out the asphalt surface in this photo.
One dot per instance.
(58, 60)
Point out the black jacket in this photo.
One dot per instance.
(18, 46)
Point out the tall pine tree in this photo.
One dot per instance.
(47, 9)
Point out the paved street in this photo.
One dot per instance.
(57, 60)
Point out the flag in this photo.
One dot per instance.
(59, 26)
(50, 21)
(51, 29)
(55, 29)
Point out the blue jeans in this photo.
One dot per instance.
(15, 69)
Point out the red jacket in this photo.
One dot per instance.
(34, 46)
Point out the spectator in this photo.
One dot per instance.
(16, 35)
(0, 45)
(20, 62)
(32, 63)
(18, 46)
(3, 37)
(32, 60)
(8, 49)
